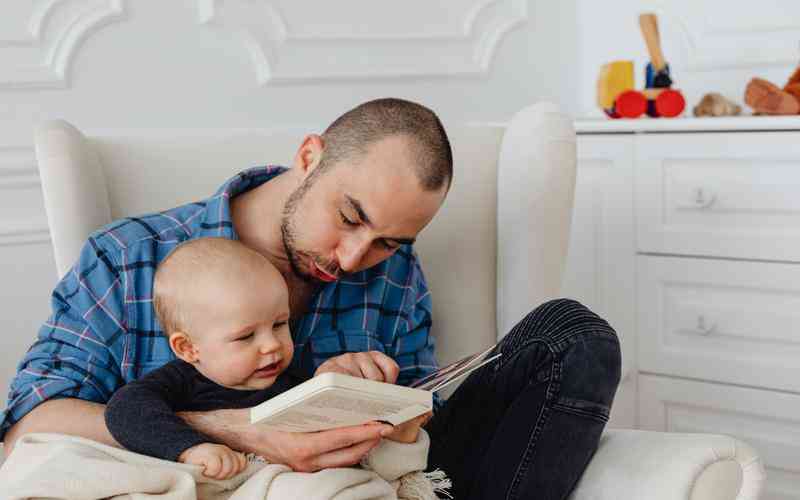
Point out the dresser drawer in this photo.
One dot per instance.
(713, 194)
(721, 320)
(768, 421)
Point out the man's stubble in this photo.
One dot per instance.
(289, 231)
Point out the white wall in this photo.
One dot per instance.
(244, 63)
(711, 45)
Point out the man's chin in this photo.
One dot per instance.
(307, 278)
(298, 273)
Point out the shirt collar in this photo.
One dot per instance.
(217, 218)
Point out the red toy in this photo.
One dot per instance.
(615, 92)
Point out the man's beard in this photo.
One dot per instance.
(289, 234)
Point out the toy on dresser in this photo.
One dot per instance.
(766, 98)
(615, 85)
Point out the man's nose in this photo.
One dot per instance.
(351, 252)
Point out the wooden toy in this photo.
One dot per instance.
(664, 101)
(615, 84)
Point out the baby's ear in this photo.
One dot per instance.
(183, 347)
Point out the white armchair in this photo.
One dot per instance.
(508, 214)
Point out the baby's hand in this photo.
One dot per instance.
(218, 461)
(407, 432)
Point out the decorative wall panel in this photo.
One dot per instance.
(302, 41)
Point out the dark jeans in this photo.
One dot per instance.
(526, 425)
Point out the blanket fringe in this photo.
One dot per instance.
(440, 482)
(424, 486)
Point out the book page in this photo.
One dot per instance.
(444, 376)
(339, 407)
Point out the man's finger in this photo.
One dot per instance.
(387, 365)
(344, 457)
(335, 366)
(350, 369)
(369, 369)
(335, 439)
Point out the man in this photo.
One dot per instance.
(339, 225)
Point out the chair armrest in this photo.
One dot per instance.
(632, 464)
(74, 189)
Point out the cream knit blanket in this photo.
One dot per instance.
(69, 467)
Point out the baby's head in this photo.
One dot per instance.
(225, 309)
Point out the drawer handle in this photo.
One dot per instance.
(702, 328)
(702, 199)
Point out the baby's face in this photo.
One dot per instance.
(243, 342)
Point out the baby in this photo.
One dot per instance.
(225, 309)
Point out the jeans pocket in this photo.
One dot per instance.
(590, 375)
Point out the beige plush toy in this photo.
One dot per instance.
(716, 104)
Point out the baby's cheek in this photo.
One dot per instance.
(289, 351)
(237, 370)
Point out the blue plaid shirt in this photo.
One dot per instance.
(103, 332)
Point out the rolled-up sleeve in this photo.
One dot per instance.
(79, 349)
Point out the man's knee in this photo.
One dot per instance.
(590, 373)
(556, 322)
(588, 349)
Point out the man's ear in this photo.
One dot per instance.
(309, 154)
(183, 347)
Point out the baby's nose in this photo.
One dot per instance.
(269, 344)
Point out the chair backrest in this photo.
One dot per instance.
(471, 266)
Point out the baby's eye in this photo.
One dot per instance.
(347, 221)
(248, 336)
(278, 325)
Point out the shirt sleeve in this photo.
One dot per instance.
(141, 415)
(414, 347)
(79, 349)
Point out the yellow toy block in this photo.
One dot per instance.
(615, 78)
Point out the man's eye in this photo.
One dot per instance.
(346, 220)
(278, 325)
(247, 337)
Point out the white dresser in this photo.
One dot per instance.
(686, 236)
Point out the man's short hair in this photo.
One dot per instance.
(350, 135)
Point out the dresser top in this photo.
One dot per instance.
(729, 123)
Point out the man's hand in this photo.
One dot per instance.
(312, 451)
(303, 452)
(373, 365)
(407, 432)
(218, 461)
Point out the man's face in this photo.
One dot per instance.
(356, 214)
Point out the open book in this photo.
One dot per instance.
(332, 400)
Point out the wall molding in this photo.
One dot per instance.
(19, 171)
(57, 28)
(281, 57)
(17, 160)
(20, 181)
(772, 40)
(31, 232)
(33, 33)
